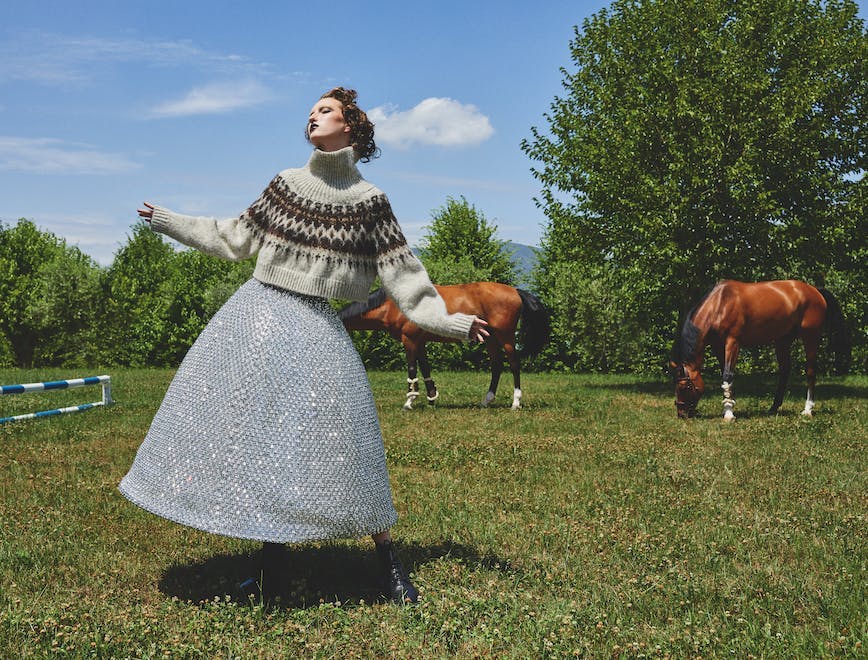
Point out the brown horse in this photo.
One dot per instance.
(499, 304)
(735, 314)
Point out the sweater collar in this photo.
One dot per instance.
(336, 168)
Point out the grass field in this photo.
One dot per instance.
(590, 523)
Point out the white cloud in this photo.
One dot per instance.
(53, 156)
(213, 99)
(54, 59)
(442, 122)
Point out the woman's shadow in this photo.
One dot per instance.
(310, 575)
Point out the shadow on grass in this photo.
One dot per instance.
(649, 386)
(758, 385)
(311, 575)
(495, 405)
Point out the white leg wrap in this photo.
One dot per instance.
(412, 392)
(728, 402)
(489, 397)
(809, 408)
(516, 399)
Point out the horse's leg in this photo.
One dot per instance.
(730, 356)
(783, 352)
(425, 366)
(514, 365)
(412, 381)
(811, 342)
(496, 358)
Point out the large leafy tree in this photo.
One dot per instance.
(63, 310)
(23, 251)
(158, 300)
(704, 139)
(197, 287)
(133, 322)
(49, 292)
(461, 245)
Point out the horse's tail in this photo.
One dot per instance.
(840, 342)
(535, 323)
(355, 309)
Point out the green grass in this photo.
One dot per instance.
(591, 523)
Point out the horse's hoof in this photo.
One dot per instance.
(807, 413)
(408, 406)
(728, 417)
(516, 406)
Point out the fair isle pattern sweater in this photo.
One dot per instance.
(322, 230)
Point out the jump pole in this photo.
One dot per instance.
(105, 381)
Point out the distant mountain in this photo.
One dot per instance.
(524, 258)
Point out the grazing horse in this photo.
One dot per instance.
(499, 304)
(735, 314)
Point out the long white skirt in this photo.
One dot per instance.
(268, 430)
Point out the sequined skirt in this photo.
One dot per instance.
(268, 430)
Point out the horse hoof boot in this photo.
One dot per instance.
(396, 582)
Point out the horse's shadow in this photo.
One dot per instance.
(311, 574)
(649, 386)
(494, 405)
(756, 385)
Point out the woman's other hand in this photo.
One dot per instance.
(478, 329)
(147, 213)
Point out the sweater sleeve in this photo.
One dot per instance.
(234, 239)
(406, 281)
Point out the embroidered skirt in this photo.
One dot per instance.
(268, 430)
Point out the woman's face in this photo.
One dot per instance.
(326, 128)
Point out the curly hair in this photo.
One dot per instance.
(361, 128)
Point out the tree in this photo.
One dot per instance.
(48, 297)
(197, 286)
(23, 251)
(461, 246)
(63, 310)
(133, 322)
(704, 139)
(159, 300)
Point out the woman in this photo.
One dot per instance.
(268, 430)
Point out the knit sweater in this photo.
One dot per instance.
(322, 230)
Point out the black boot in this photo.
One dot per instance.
(397, 583)
(265, 586)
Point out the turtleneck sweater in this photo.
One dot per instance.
(322, 230)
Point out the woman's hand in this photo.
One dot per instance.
(147, 213)
(478, 329)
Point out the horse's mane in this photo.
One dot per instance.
(375, 299)
(686, 345)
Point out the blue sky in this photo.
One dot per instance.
(196, 105)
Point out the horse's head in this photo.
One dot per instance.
(689, 387)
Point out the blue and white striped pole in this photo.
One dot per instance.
(105, 381)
